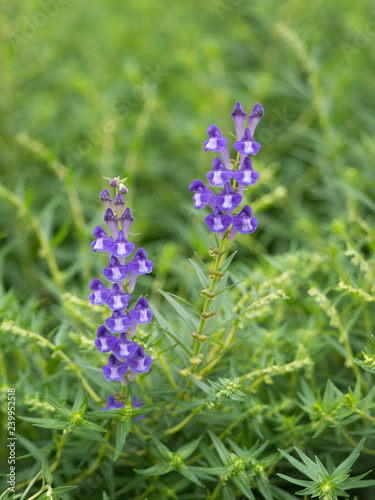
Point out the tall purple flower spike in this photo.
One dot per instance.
(105, 341)
(115, 271)
(139, 265)
(100, 293)
(117, 300)
(121, 248)
(124, 348)
(103, 242)
(218, 222)
(217, 142)
(239, 115)
(139, 362)
(228, 199)
(203, 194)
(112, 222)
(140, 314)
(106, 199)
(126, 220)
(246, 175)
(115, 369)
(113, 404)
(254, 117)
(219, 175)
(243, 223)
(118, 322)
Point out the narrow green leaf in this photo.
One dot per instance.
(61, 409)
(182, 312)
(205, 388)
(221, 450)
(345, 466)
(80, 402)
(163, 450)
(311, 473)
(122, 430)
(183, 470)
(47, 475)
(187, 449)
(241, 481)
(86, 434)
(203, 278)
(62, 489)
(155, 470)
(227, 263)
(298, 482)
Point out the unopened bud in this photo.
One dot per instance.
(202, 338)
(123, 189)
(207, 315)
(195, 360)
(195, 335)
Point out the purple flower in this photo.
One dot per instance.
(137, 404)
(106, 199)
(103, 242)
(218, 221)
(124, 348)
(100, 293)
(119, 205)
(126, 221)
(140, 314)
(114, 183)
(111, 222)
(239, 117)
(245, 175)
(121, 247)
(217, 142)
(139, 265)
(113, 404)
(254, 117)
(117, 299)
(115, 271)
(105, 341)
(118, 322)
(219, 175)
(139, 362)
(247, 145)
(228, 199)
(115, 369)
(244, 222)
(203, 194)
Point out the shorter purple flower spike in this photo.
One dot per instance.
(117, 300)
(103, 242)
(126, 220)
(217, 142)
(228, 199)
(203, 194)
(118, 322)
(119, 205)
(218, 221)
(244, 222)
(137, 404)
(115, 271)
(246, 175)
(100, 294)
(124, 348)
(114, 183)
(105, 341)
(247, 145)
(113, 404)
(219, 175)
(115, 369)
(239, 116)
(111, 222)
(254, 117)
(121, 248)
(106, 199)
(139, 265)
(139, 362)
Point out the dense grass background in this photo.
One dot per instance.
(98, 89)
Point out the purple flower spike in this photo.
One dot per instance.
(115, 369)
(112, 222)
(117, 300)
(217, 142)
(100, 294)
(119, 205)
(118, 322)
(126, 221)
(244, 222)
(124, 348)
(219, 175)
(121, 247)
(141, 313)
(254, 117)
(247, 145)
(203, 194)
(115, 271)
(239, 117)
(228, 199)
(218, 221)
(105, 341)
(113, 404)
(137, 404)
(139, 362)
(106, 199)
(103, 242)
